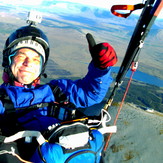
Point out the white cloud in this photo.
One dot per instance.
(62, 3)
(104, 3)
(108, 3)
(98, 3)
(22, 2)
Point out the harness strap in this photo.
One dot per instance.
(22, 134)
(130, 8)
(13, 153)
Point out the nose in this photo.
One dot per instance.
(27, 62)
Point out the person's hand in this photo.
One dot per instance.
(103, 54)
(59, 96)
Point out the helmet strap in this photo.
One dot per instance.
(9, 78)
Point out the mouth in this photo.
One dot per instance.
(25, 71)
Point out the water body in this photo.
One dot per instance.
(143, 77)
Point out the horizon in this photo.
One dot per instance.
(103, 4)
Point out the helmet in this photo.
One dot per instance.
(21, 38)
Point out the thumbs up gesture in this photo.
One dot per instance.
(103, 54)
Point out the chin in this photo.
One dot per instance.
(25, 81)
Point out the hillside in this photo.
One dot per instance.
(141, 94)
(139, 134)
(138, 139)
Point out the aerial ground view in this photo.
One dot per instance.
(139, 138)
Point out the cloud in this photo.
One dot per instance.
(106, 4)
(22, 2)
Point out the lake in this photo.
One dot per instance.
(143, 77)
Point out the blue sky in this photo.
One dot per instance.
(63, 3)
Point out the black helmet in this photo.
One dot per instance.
(31, 35)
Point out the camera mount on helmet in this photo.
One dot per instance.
(34, 17)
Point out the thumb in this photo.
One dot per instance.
(91, 41)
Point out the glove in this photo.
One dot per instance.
(59, 96)
(103, 54)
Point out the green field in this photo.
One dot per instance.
(141, 94)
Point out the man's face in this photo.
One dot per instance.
(26, 65)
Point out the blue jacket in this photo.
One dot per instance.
(83, 93)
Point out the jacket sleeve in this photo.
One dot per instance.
(89, 90)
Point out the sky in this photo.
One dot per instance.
(62, 3)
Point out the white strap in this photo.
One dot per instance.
(23, 134)
(109, 129)
(74, 140)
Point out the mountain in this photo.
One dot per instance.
(138, 138)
